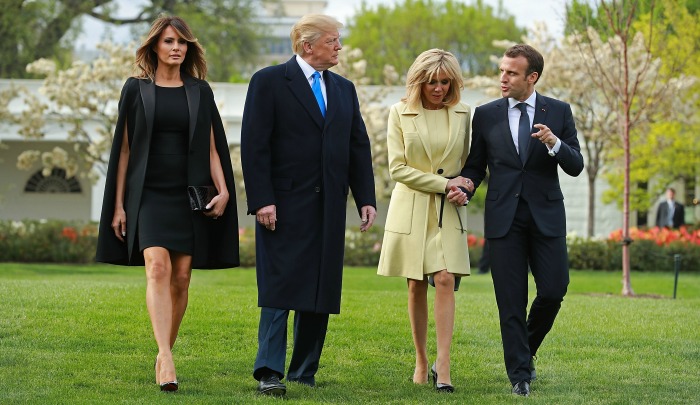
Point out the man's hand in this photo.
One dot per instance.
(368, 214)
(545, 135)
(460, 181)
(267, 216)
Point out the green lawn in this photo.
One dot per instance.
(81, 335)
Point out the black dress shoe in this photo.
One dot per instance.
(271, 385)
(522, 388)
(533, 374)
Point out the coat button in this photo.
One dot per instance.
(516, 195)
(317, 189)
(440, 171)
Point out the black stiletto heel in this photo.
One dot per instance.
(440, 387)
(170, 386)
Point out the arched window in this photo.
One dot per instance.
(55, 183)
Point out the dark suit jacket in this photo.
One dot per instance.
(215, 242)
(678, 214)
(537, 181)
(305, 165)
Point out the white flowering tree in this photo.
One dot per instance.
(636, 86)
(82, 99)
(619, 89)
(374, 111)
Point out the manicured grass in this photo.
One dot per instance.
(81, 335)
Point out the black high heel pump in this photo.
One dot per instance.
(440, 387)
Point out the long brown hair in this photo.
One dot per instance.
(147, 60)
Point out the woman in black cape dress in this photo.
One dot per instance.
(169, 135)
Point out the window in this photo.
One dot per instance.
(55, 183)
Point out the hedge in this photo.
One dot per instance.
(53, 241)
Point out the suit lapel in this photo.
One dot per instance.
(192, 92)
(503, 123)
(540, 117)
(299, 87)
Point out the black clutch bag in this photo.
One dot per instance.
(200, 196)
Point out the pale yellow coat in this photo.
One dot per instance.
(418, 177)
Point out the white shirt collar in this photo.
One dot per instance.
(530, 101)
(306, 68)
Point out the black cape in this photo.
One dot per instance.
(215, 241)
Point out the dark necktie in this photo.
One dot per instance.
(524, 131)
(316, 88)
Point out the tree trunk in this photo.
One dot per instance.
(591, 206)
(626, 240)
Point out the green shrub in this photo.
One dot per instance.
(590, 254)
(55, 241)
(246, 246)
(363, 248)
(50, 241)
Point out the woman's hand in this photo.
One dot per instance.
(119, 223)
(217, 206)
(457, 197)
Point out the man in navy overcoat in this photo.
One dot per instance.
(304, 146)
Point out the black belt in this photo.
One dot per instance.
(442, 207)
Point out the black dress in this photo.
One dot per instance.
(165, 218)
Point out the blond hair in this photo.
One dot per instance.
(310, 28)
(428, 65)
(147, 60)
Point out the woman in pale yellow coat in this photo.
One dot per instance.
(425, 235)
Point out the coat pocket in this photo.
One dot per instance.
(400, 213)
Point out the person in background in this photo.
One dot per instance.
(523, 139)
(670, 213)
(427, 143)
(304, 146)
(169, 135)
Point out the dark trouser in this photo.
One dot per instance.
(485, 260)
(547, 258)
(309, 335)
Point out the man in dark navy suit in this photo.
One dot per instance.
(523, 139)
(671, 213)
(304, 146)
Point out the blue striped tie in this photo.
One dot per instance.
(316, 88)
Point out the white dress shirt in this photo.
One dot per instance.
(514, 121)
(308, 72)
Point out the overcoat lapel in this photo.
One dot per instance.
(455, 119)
(333, 92)
(299, 87)
(421, 126)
